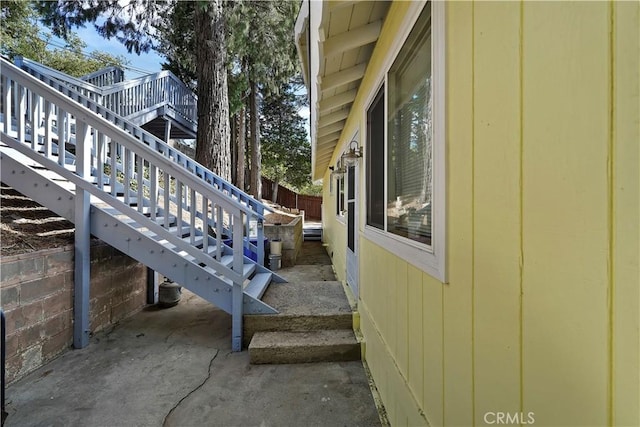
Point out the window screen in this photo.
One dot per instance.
(410, 130)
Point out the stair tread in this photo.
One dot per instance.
(304, 347)
(280, 339)
(258, 285)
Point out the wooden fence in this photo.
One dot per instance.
(311, 205)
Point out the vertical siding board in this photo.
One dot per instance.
(390, 299)
(433, 354)
(401, 316)
(565, 212)
(416, 336)
(497, 208)
(626, 208)
(457, 390)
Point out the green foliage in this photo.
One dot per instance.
(311, 189)
(260, 39)
(132, 22)
(286, 152)
(19, 32)
(21, 37)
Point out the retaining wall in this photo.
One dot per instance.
(36, 294)
(291, 236)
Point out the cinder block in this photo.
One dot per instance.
(9, 297)
(100, 303)
(57, 323)
(100, 286)
(58, 303)
(41, 288)
(56, 344)
(21, 270)
(31, 359)
(59, 262)
(13, 367)
(15, 320)
(100, 320)
(31, 336)
(13, 344)
(33, 313)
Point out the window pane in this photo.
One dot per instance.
(375, 162)
(410, 171)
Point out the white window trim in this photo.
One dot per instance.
(431, 260)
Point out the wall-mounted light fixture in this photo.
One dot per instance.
(351, 156)
(338, 171)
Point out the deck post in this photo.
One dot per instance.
(237, 295)
(82, 241)
(153, 278)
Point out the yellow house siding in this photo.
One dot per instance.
(626, 209)
(457, 305)
(565, 278)
(334, 232)
(541, 313)
(496, 190)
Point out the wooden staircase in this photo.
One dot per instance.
(66, 150)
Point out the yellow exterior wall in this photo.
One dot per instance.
(541, 312)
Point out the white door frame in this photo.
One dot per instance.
(353, 252)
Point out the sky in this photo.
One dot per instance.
(149, 62)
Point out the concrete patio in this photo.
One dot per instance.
(174, 367)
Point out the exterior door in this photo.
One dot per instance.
(352, 230)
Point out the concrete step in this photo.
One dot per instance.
(304, 347)
(302, 306)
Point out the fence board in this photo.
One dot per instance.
(311, 205)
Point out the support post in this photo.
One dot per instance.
(152, 286)
(82, 240)
(153, 278)
(237, 295)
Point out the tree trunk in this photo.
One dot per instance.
(256, 158)
(212, 144)
(240, 144)
(233, 126)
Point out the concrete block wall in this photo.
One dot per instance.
(36, 294)
(292, 237)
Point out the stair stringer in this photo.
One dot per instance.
(123, 237)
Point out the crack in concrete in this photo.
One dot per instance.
(166, 417)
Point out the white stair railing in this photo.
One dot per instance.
(185, 196)
(55, 79)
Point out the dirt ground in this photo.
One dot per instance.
(26, 226)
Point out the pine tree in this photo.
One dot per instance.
(287, 151)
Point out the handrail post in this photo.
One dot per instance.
(260, 243)
(82, 240)
(237, 295)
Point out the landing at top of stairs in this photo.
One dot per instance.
(308, 298)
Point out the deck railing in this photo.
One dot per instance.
(131, 97)
(98, 169)
(105, 77)
(182, 160)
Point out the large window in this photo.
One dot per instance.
(404, 155)
(375, 162)
(410, 136)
